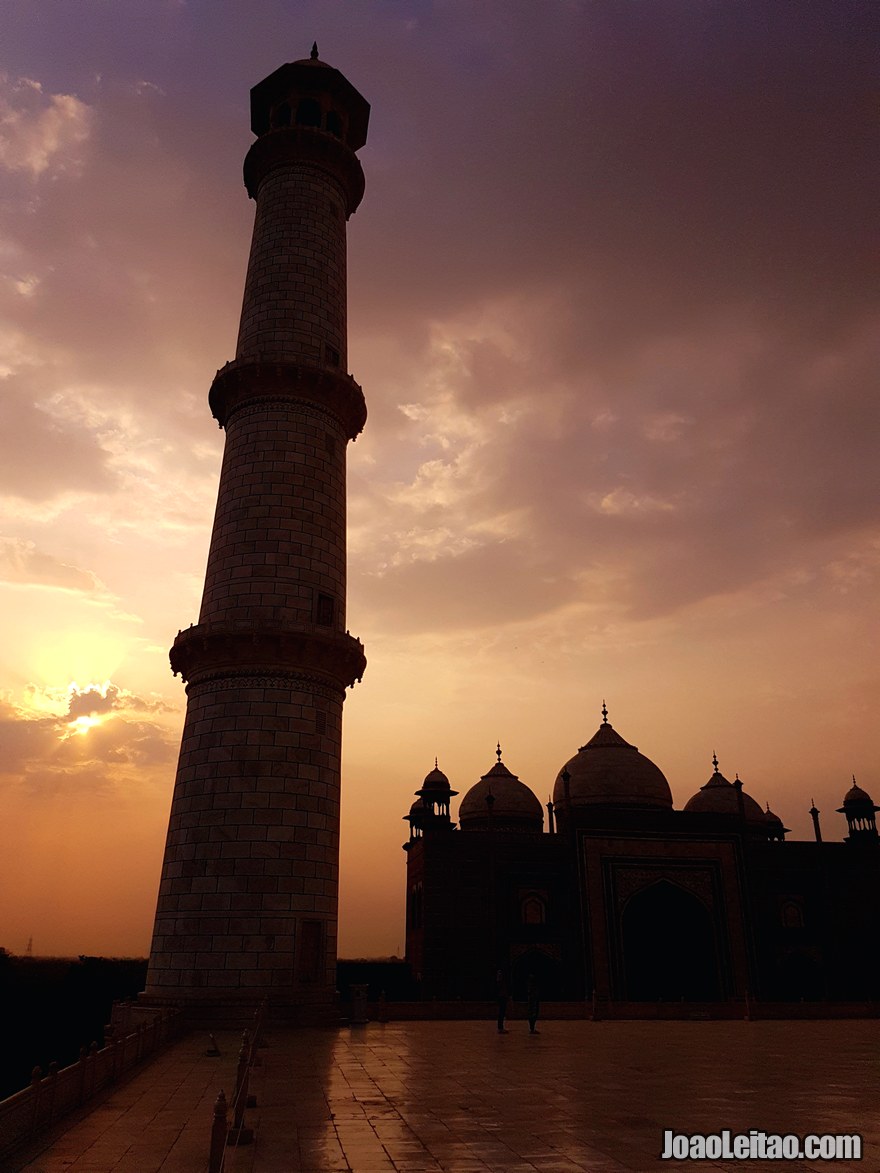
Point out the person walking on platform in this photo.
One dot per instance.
(501, 992)
(532, 1004)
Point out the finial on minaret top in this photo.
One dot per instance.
(715, 761)
(604, 713)
(314, 53)
(435, 762)
(498, 751)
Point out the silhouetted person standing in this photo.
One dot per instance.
(532, 1004)
(502, 995)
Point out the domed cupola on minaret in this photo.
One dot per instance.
(608, 771)
(312, 95)
(430, 812)
(722, 797)
(860, 811)
(775, 829)
(500, 802)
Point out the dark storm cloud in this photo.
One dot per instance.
(698, 472)
(97, 300)
(637, 229)
(672, 154)
(94, 701)
(664, 207)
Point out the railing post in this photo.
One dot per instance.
(250, 1099)
(93, 1068)
(239, 1134)
(53, 1090)
(36, 1087)
(114, 1058)
(218, 1135)
(82, 1075)
(257, 1037)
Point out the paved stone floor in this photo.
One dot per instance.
(457, 1096)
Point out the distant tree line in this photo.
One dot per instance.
(52, 1006)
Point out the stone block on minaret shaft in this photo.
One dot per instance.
(247, 903)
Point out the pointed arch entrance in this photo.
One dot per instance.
(669, 946)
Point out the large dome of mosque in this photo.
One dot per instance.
(609, 771)
(500, 800)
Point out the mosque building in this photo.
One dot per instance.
(615, 895)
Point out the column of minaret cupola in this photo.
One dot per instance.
(248, 897)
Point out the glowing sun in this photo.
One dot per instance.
(84, 724)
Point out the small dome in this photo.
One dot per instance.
(774, 825)
(719, 797)
(609, 771)
(436, 785)
(435, 780)
(857, 800)
(856, 794)
(501, 797)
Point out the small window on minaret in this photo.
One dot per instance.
(308, 113)
(281, 115)
(324, 612)
(331, 354)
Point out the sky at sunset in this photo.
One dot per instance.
(613, 306)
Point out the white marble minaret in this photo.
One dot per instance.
(247, 905)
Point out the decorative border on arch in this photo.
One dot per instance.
(702, 877)
(691, 877)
